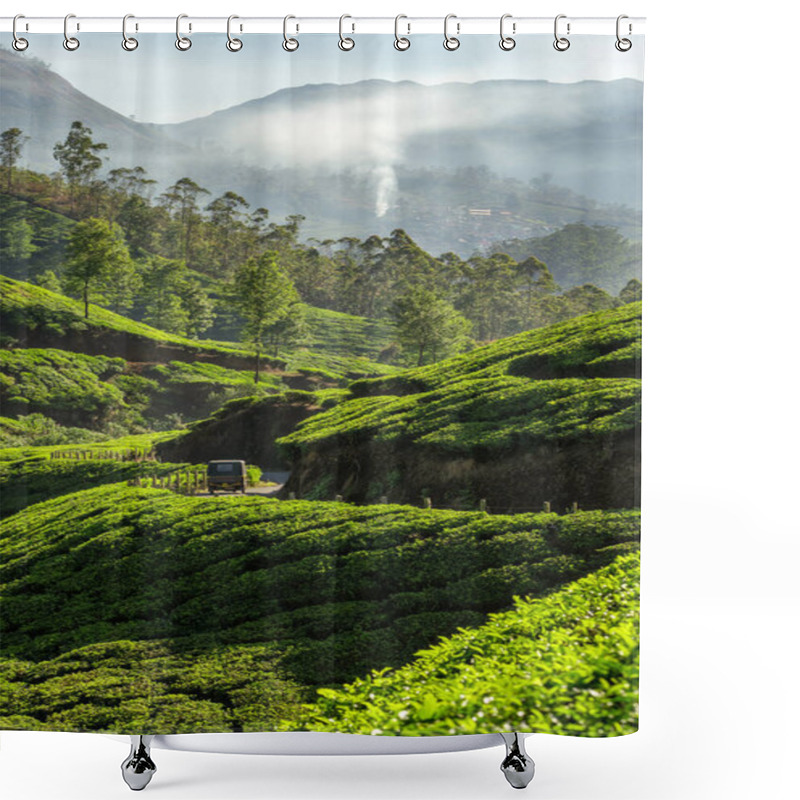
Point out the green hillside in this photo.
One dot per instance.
(338, 345)
(77, 379)
(547, 415)
(566, 663)
(111, 395)
(39, 477)
(40, 312)
(333, 590)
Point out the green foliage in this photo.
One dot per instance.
(578, 253)
(26, 482)
(56, 382)
(99, 394)
(32, 239)
(11, 142)
(265, 296)
(429, 326)
(37, 430)
(98, 261)
(508, 395)
(28, 307)
(341, 589)
(132, 446)
(125, 687)
(563, 664)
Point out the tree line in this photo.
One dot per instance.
(190, 263)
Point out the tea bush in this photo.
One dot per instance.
(572, 381)
(562, 664)
(343, 589)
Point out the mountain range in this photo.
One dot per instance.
(376, 154)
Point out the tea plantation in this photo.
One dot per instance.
(566, 663)
(235, 610)
(547, 415)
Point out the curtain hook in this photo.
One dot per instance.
(507, 42)
(451, 42)
(289, 45)
(400, 42)
(181, 42)
(623, 45)
(128, 42)
(70, 42)
(345, 42)
(234, 45)
(19, 43)
(561, 43)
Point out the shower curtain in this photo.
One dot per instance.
(320, 382)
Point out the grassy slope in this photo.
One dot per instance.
(566, 663)
(26, 305)
(572, 380)
(27, 481)
(350, 588)
(92, 391)
(339, 346)
(137, 444)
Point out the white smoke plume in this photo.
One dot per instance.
(386, 188)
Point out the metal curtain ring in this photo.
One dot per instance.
(345, 42)
(400, 42)
(623, 45)
(181, 42)
(233, 44)
(451, 42)
(18, 43)
(289, 45)
(128, 42)
(70, 42)
(561, 43)
(507, 42)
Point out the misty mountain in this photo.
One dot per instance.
(43, 105)
(457, 165)
(516, 128)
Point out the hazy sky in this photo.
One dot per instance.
(208, 77)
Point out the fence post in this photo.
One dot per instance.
(546, 506)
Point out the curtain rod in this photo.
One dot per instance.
(406, 25)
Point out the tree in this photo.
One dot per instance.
(227, 225)
(289, 328)
(11, 141)
(181, 198)
(632, 292)
(199, 308)
(261, 293)
(95, 251)
(126, 184)
(78, 158)
(489, 296)
(535, 282)
(162, 278)
(16, 240)
(428, 324)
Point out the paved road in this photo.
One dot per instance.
(264, 491)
